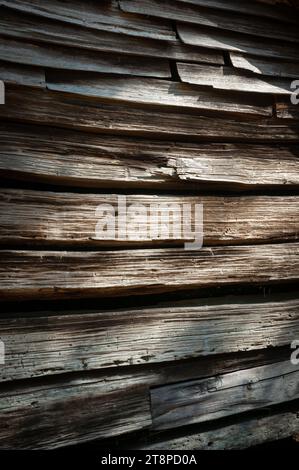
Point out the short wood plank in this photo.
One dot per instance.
(57, 275)
(22, 75)
(87, 340)
(235, 42)
(203, 400)
(224, 20)
(34, 217)
(160, 93)
(58, 110)
(58, 57)
(228, 78)
(263, 66)
(31, 29)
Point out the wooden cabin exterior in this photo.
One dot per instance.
(138, 342)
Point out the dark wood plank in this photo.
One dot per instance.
(228, 78)
(56, 219)
(22, 75)
(286, 110)
(160, 93)
(263, 66)
(78, 341)
(202, 400)
(63, 157)
(77, 59)
(235, 42)
(242, 23)
(58, 110)
(243, 434)
(32, 29)
(102, 16)
(254, 8)
(57, 275)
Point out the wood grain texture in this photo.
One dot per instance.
(236, 42)
(202, 400)
(228, 78)
(285, 109)
(161, 93)
(244, 434)
(58, 57)
(102, 16)
(249, 8)
(79, 341)
(31, 29)
(33, 414)
(48, 218)
(57, 275)
(242, 23)
(58, 110)
(27, 76)
(268, 67)
(63, 157)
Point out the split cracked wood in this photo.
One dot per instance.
(56, 275)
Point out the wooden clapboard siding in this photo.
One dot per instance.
(27, 76)
(161, 93)
(63, 157)
(73, 59)
(268, 67)
(171, 9)
(78, 341)
(68, 219)
(249, 8)
(56, 275)
(71, 411)
(235, 42)
(286, 110)
(55, 109)
(103, 16)
(33, 414)
(203, 400)
(68, 35)
(228, 78)
(240, 435)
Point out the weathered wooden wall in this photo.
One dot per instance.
(168, 102)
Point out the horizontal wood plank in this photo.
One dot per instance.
(199, 401)
(102, 16)
(57, 275)
(34, 217)
(228, 78)
(22, 75)
(235, 42)
(160, 93)
(263, 66)
(77, 59)
(244, 434)
(55, 109)
(31, 29)
(84, 340)
(224, 20)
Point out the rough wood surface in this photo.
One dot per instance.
(235, 42)
(269, 67)
(286, 110)
(84, 340)
(103, 16)
(162, 93)
(33, 414)
(62, 157)
(203, 400)
(55, 109)
(58, 57)
(22, 75)
(246, 433)
(67, 219)
(242, 23)
(56, 275)
(228, 78)
(68, 35)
